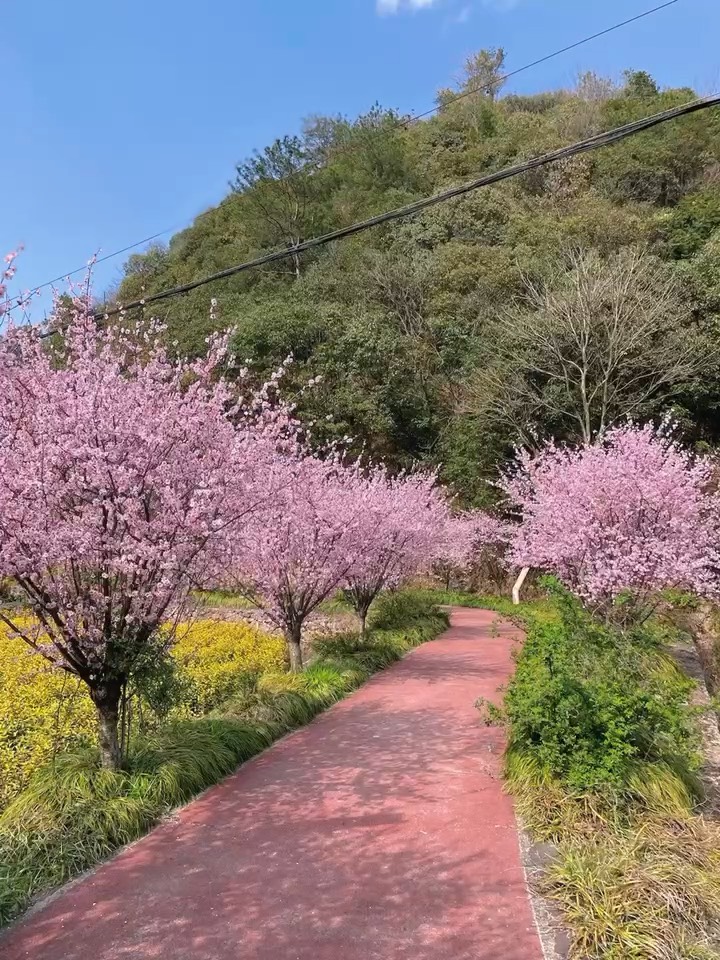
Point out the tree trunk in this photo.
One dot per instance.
(293, 637)
(363, 609)
(517, 587)
(110, 754)
(107, 705)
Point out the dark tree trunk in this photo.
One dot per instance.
(293, 636)
(361, 602)
(107, 705)
(362, 609)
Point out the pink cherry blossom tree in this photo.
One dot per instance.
(629, 514)
(298, 553)
(454, 548)
(123, 483)
(7, 272)
(465, 538)
(486, 561)
(401, 524)
(16, 303)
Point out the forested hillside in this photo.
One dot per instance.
(553, 303)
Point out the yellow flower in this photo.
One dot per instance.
(44, 711)
(214, 655)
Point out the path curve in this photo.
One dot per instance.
(379, 831)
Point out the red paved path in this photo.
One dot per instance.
(379, 831)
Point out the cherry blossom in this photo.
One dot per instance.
(401, 524)
(629, 514)
(299, 551)
(464, 539)
(124, 482)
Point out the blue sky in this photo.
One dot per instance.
(127, 117)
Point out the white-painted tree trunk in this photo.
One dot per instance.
(518, 585)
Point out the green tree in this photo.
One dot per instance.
(406, 324)
(482, 75)
(278, 188)
(639, 85)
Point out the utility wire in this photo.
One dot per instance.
(406, 122)
(108, 256)
(563, 153)
(549, 56)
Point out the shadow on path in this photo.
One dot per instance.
(379, 831)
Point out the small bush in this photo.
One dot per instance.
(601, 760)
(327, 682)
(401, 609)
(596, 709)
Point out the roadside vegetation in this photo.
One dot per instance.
(45, 712)
(603, 761)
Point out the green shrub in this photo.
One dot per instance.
(399, 610)
(595, 708)
(601, 760)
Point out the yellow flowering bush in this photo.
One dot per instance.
(214, 655)
(44, 711)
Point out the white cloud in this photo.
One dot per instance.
(395, 6)
(463, 14)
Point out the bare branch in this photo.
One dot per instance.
(602, 340)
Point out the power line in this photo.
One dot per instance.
(109, 256)
(404, 124)
(563, 153)
(549, 56)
